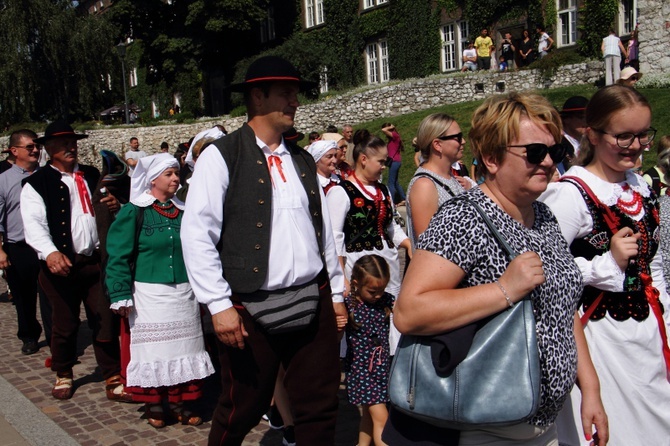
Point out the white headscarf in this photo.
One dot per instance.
(214, 132)
(148, 169)
(319, 148)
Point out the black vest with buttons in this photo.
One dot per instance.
(56, 195)
(245, 237)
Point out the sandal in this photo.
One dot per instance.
(184, 416)
(63, 389)
(155, 415)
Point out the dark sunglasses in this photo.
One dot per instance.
(536, 152)
(457, 136)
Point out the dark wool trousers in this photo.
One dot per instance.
(22, 280)
(311, 359)
(66, 295)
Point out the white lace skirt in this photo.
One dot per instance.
(166, 343)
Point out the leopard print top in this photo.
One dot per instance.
(458, 234)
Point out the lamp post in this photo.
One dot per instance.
(121, 49)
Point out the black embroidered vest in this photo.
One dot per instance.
(631, 303)
(361, 226)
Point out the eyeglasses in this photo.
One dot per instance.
(536, 152)
(456, 136)
(625, 140)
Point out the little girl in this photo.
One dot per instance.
(368, 361)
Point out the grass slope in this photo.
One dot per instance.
(407, 125)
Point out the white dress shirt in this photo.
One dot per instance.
(36, 227)
(294, 254)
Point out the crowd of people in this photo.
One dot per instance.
(291, 256)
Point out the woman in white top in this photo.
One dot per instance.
(361, 210)
(441, 143)
(609, 217)
(325, 156)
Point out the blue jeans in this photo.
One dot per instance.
(394, 185)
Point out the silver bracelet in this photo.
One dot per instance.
(504, 291)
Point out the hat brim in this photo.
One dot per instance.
(241, 87)
(45, 138)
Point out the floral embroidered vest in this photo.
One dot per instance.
(362, 230)
(631, 303)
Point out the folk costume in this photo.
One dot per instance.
(625, 313)
(58, 217)
(167, 352)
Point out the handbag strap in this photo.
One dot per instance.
(509, 251)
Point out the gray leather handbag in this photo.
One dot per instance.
(498, 381)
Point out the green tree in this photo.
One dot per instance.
(55, 62)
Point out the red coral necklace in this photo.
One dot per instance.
(378, 199)
(632, 207)
(165, 210)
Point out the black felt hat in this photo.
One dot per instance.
(293, 135)
(271, 69)
(58, 129)
(575, 104)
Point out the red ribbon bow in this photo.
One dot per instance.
(274, 160)
(84, 197)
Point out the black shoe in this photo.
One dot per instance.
(30, 347)
(289, 436)
(274, 418)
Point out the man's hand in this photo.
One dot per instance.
(229, 328)
(58, 263)
(4, 260)
(112, 203)
(340, 315)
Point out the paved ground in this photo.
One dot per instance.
(30, 416)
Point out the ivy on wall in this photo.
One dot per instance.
(596, 19)
(413, 39)
(411, 28)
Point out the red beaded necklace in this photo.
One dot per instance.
(632, 207)
(378, 199)
(165, 210)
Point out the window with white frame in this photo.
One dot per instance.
(313, 13)
(377, 62)
(567, 22)
(629, 19)
(454, 37)
(373, 3)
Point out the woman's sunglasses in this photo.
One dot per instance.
(536, 152)
(457, 136)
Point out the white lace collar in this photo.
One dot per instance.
(146, 199)
(607, 192)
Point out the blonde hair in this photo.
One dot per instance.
(430, 128)
(496, 123)
(604, 104)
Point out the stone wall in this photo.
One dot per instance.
(654, 30)
(357, 106)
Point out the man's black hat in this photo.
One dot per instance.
(575, 104)
(271, 69)
(293, 135)
(59, 129)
